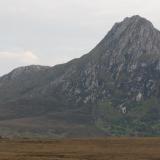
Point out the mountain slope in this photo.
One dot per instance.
(113, 90)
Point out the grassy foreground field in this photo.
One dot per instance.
(86, 149)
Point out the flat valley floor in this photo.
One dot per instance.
(81, 149)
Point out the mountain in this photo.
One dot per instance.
(112, 90)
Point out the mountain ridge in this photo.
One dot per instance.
(112, 90)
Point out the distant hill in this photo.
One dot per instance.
(112, 90)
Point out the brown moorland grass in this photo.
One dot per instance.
(81, 149)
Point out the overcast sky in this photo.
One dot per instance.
(50, 32)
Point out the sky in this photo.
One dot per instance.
(50, 32)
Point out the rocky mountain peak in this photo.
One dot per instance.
(114, 89)
(135, 20)
(24, 71)
(132, 24)
(132, 40)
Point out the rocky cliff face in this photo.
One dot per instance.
(127, 59)
(113, 90)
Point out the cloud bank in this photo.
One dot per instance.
(24, 57)
(10, 60)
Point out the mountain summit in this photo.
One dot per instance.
(113, 90)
